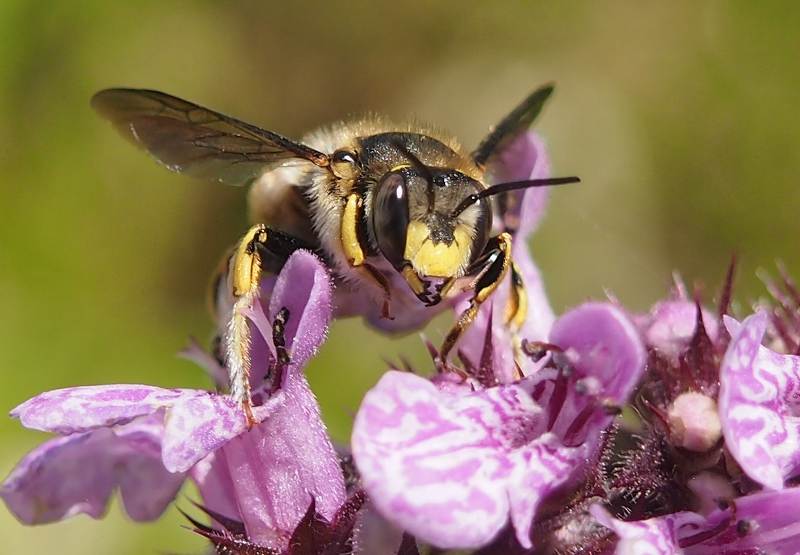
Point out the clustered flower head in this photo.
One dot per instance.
(598, 431)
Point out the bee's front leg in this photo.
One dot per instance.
(261, 248)
(281, 354)
(493, 268)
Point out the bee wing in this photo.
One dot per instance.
(516, 122)
(190, 139)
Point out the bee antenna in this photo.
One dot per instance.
(511, 186)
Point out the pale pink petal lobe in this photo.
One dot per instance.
(78, 474)
(758, 404)
(77, 409)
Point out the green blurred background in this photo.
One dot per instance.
(682, 119)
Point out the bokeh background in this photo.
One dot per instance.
(682, 119)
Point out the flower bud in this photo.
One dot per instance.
(694, 422)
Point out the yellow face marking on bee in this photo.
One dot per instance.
(440, 259)
(517, 306)
(247, 261)
(350, 244)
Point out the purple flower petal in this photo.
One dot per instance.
(132, 436)
(196, 422)
(530, 152)
(542, 467)
(450, 467)
(656, 536)
(78, 473)
(78, 409)
(303, 287)
(765, 522)
(473, 342)
(280, 465)
(536, 326)
(540, 315)
(523, 158)
(275, 469)
(213, 479)
(670, 326)
(146, 485)
(608, 357)
(758, 404)
(197, 425)
(709, 489)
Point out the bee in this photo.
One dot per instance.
(401, 214)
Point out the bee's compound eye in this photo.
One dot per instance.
(343, 163)
(390, 217)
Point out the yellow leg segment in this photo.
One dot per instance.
(516, 312)
(244, 274)
(494, 271)
(517, 306)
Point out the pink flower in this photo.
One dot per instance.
(764, 522)
(759, 404)
(453, 460)
(451, 464)
(146, 440)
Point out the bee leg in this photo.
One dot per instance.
(517, 305)
(244, 270)
(379, 279)
(281, 354)
(516, 310)
(351, 243)
(494, 268)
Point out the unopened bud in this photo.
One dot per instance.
(694, 422)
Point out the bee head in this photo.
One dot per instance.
(429, 215)
(418, 220)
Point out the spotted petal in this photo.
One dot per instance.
(758, 404)
(764, 522)
(608, 357)
(655, 536)
(196, 422)
(198, 425)
(79, 409)
(78, 474)
(451, 467)
(276, 469)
